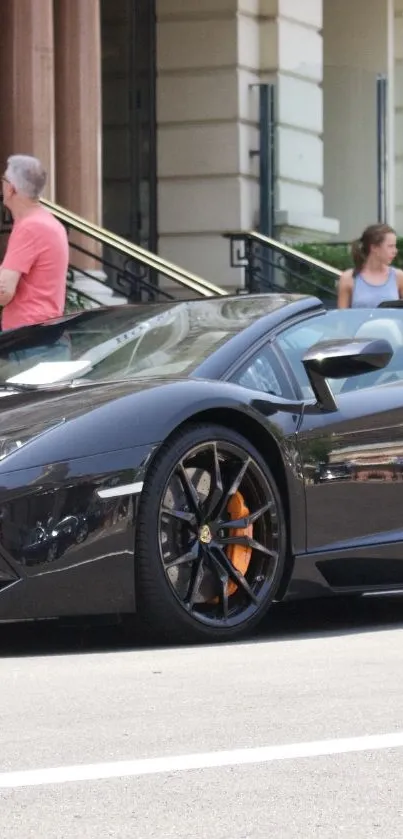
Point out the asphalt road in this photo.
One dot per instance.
(297, 733)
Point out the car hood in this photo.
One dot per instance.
(88, 419)
(60, 403)
(46, 426)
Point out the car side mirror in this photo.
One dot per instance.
(339, 359)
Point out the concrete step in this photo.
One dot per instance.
(98, 290)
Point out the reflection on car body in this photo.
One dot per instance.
(49, 540)
(332, 472)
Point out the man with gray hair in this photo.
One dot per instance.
(34, 269)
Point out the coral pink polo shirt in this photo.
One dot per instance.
(38, 249)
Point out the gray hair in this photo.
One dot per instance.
(26, 174)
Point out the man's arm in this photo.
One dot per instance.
(8, 284)
(18, 259)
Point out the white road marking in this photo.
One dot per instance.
(209, 760)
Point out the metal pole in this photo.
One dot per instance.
(272, 157)
(381, 163)
(379, 148)
(264, 159)
(266, 176)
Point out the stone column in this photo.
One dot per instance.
(78, 107)
(6, 105)
(78, 89)
(355, 53)
(199, 192)
(27, 82)
(6, 88)
(291, 47)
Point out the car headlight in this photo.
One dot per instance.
(10, 443)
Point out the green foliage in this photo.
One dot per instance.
(339, 255)
(308, 280)
(336, 255)
(75, 301)
(317, 451)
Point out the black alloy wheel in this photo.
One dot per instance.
(210, 543)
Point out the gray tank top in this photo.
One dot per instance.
(368, 296)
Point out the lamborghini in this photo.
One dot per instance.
(190, 463)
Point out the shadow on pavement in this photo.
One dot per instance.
(332, 616)
(291, 621)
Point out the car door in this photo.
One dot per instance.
(262, 372)
(353, 457)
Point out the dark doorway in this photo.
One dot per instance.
(129, 119)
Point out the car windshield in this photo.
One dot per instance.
(346, 323)
(154, 340)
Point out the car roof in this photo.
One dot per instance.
(233, 314)
(239, 309)
(270, 312)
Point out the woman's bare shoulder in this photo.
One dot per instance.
(346, 278)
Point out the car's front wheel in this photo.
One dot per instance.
(210, 537)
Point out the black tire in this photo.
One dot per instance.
(228, 607)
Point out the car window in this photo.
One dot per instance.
(263, 372)
(294, 342)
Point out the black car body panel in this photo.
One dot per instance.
(82, 421)
(90, 576)
(67, 550)
(59, 472)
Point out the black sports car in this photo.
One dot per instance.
(209, 457)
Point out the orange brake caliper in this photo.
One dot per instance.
(238, 554)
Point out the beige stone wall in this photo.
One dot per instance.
(355, 51)
(300, 118)
(398, 99)
(211, 55)
(198, 133)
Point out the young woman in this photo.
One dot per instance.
(373, 279)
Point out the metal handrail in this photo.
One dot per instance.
(254, 236)
(135, 252)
